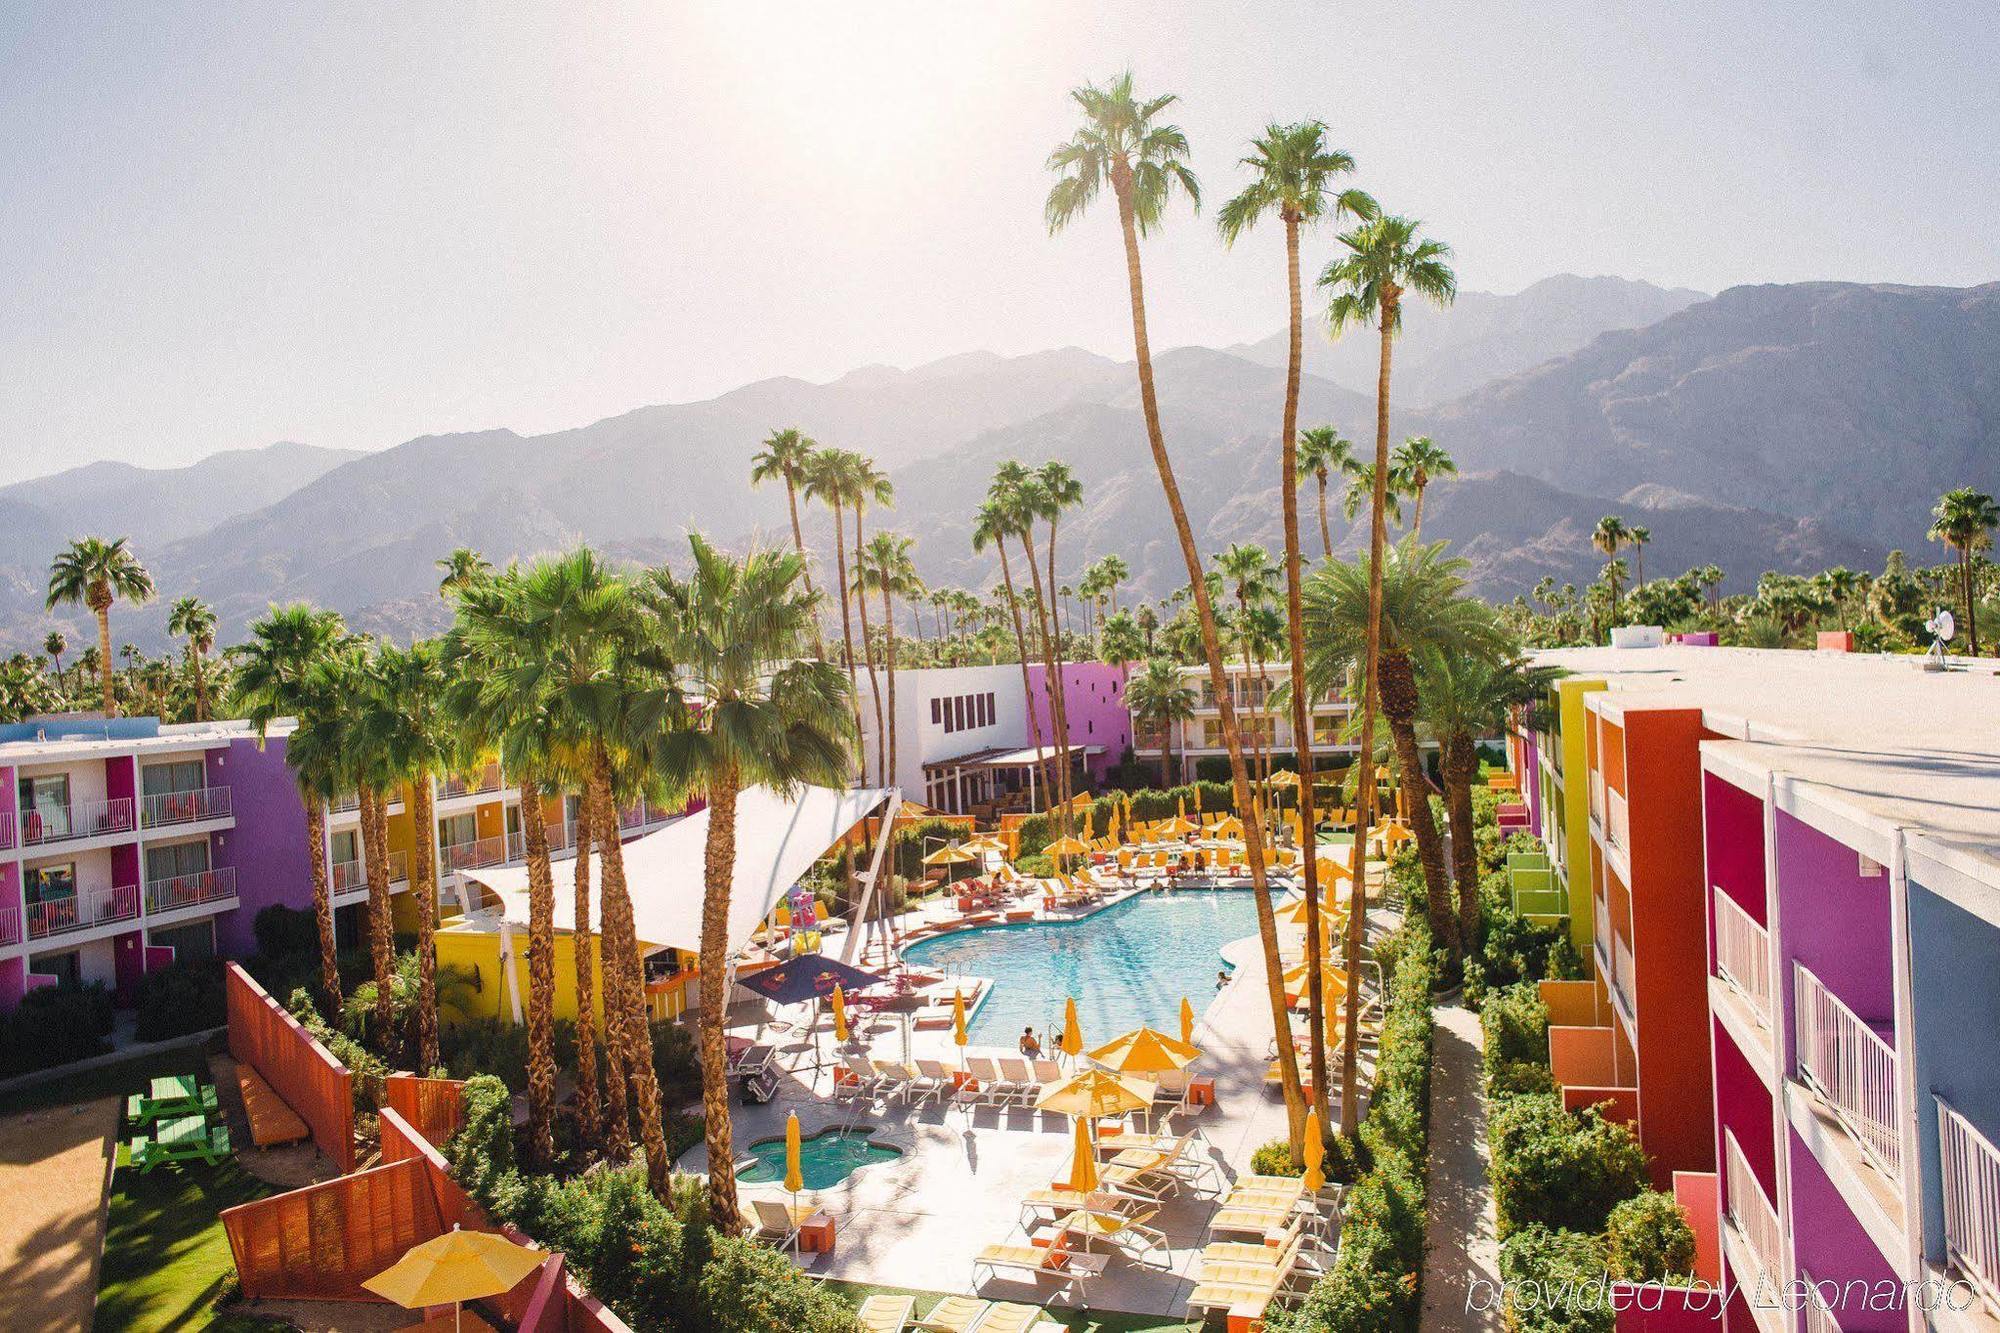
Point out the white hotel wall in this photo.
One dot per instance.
(919, 740)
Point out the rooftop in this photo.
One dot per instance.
(51, 739)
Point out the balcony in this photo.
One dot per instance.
(1818, 1313)
(488, 780)
(1749, 1210)
(86, 819)
(1596, 797)
(1622, 976)
(474, 855)
(10, 925)
(1743, 955)
(1617, 821)
(345, 805)
(207, 886)
(6, 829)
(1600, 932)
(184, 807)
(347, 876)
(1852, 1069)
(83, 911)
(560, 840)
(1971, 1202)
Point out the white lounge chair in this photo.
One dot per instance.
(778, 1222)
(954, 1314)
(883, 1313)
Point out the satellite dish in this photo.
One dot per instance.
(1942, 626)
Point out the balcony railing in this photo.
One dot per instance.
(1597, 796)
(10, 925)
(341, 805)
(6, 829)
(487, 780)
(184, 807)
(1743, 954)
(1600, 932)
(350, 875)
(1971, 1201)
(1817, 1309)
(86, 819)
(1756, 1220)
(561, 839)
(1623, 975)
(1617, 820)
(473, 855)
(95, 907)
(207, 886)
(1852, 1069)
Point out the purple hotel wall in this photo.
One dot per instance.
(1834, 921)
(1094, 700)
(268, 845)
(1829, 1243)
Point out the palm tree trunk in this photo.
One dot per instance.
(1253, 837)
(1325, 533)
(1027, 681)
(322, 889)
(104, 659)
(1059, 740)
(719, 865)
(889, 652)
(1059, 693)
(1288, 464)
(381, 934)
(617, 1096)
(868, 655)
(423, 883)
(200, 687)
(1460, 764)
(541, 973)
(1971, 610)
(635, 1038)
(1399, 706)
(847, 636)
(1166, 756)
(799, 545)
(586, 992)
(1417, 525)
(1378, 534)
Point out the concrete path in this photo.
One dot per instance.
(55, 1168)
(1464, 1250)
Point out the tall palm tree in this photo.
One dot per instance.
(1361, 489)
(462, 568)
(1246, 571)
(1056, 491)
(1325, 452)
(1024, 492)
(194, 620)
(280, 672)
(787, 456)
(1609, 536)
(1963, 520)
(1386, 257)
(55, 643)
(1419, 461)
(1639, 536)
(996, 521)
(868, 484)
(1160, 697)
(370, 774)
(827, 480)
(886, 569)
(771, 717)
(95, 573)
(1123, 144)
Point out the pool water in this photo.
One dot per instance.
(1126, 965)
(825, 1159)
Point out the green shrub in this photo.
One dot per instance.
(1555, 1282)
(1036, 866)
(481, 1153)
(752, 1288)
(1563, 1169)
(368, 1068)
(54, 1025)
(1275, 1159)
(180, 998)
(1519, 1078)
(1515, 1023)
(1648, 1239)
(926, 835)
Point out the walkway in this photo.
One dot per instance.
(56, 1163)
(1463, 1246)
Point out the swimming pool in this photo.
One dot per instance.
(825, 1159)
(1127, 965)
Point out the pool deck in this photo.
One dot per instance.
(919, 1221)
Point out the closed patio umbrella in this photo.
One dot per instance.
(1083, 1161)
(1072, 1033)
(1315, 1180)
(1187, 1021)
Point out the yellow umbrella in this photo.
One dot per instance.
(1177, 827)
(958, 1021)
(1066, 847)
(839, 1013)
(1187, 1021)
(1197, 798)
(1180, 808)
(1082, 799)
(951, 854)
(1315, 1179)
(794, 1177)
(1144, 1051)
(1096, 1092)
(985, 842)
(1083, 1163)
(1284, 777)
(1072, 1033)
(458, 1266)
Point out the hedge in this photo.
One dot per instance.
(54, 1025)
(1555, 1282)
(1564, 1169)
(180, 998)
(1648, 1239)
(1516, 1027)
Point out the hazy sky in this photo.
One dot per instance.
(225, 225)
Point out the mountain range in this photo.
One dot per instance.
(1769, 427)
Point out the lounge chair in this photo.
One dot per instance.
(954, 1314)
(883, 1313)
(779, 1222)
(933, 1081)
(1019, 1077)
(1010, 1317)
(895, 1076)
(864, 1085)
(1048, 1071)
(994, 1087)
(1052, 1262)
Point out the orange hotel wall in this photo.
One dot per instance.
(1669, 939)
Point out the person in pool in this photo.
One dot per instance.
(1222, 978)
(1030, 1046)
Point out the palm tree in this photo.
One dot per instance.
(1246, 570)
(369, 772)
(1963, 520)
(95, 573)
(996, 521)
(1055, 491)
(1159, 697)
(1325, 452)
(280, 673)
(1011, 492)
(1608, 536)
(194, 620)
(886, 568)
(867, 483)
(1123, 144)
(1385, 258)
(1112, 571)
(771, 717)
(1361, 489)
(1419, 461)
(55, 643)
(1639, 536)
(787, 456)
(827, 481)
(462, 568)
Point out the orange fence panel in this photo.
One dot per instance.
(314, 1084)
(323, 1241)
(435, 1107)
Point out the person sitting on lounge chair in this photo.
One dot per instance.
(1031, 1046)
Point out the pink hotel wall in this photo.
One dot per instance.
(1094, 702)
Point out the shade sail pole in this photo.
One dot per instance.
(858, 925)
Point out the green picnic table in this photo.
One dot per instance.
(185, 1138)
(170, 1096)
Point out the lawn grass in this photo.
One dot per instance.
(1082, 1321)
(118, 1079)
(166, 1259)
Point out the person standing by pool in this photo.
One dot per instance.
(1030, 1046)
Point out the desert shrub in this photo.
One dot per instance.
(1563, 1169)
(752, 1288)
(1555, 1282)
(1519, 1078)
(1647, 1239)
(1036, 866)
(1516, 1027)
(54, 1025)
(180, 998)
(1275, 1159)
(1344, 1162)
(368, 1068)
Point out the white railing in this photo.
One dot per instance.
(1742, 953)
(341, 805)
(10, 925)
(353, 874)
(6, 829)
(1600, 930)
(1617, 821)
(1597, 796)
(96, 907)
(1624, 974)
(489, 779)
(184, 807)
(1971, 1201)
(560, 840)
(1750, 1209)
(85, 819)
(207, 886)
(1850, 1067)
(1817, 1308)
(473, 855)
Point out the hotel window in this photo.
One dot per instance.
(194, 942)
(45, 805)
(167, 779)
(958, 708)
(346, 846)
(937, 711)
(64, 967)
(457, 830)
(47, 883)
(175, 860)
